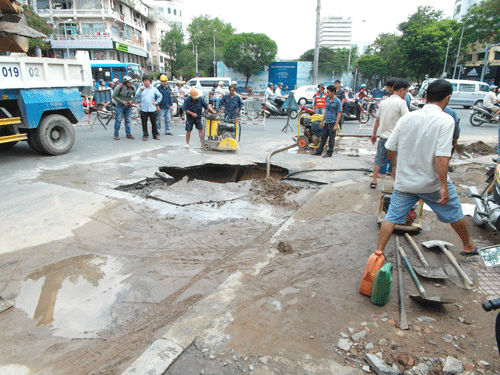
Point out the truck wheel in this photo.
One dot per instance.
(34, 142)
(56, 135)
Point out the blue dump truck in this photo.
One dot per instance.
(40, 98)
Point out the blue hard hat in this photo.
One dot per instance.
(269, 84)
(362, 86)
(280, 83)
(101, 80)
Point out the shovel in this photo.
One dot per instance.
(422, 297)
(468, 283)
(427, 272)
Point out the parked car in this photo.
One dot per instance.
(304, 94)
(465, 93)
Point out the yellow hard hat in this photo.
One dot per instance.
(163, 78)
(195, 94)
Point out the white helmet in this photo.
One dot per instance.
(221, 83)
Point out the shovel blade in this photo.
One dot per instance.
(431, 301)
(431, 272)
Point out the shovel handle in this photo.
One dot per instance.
(412, 273)
(417, 250)
(456, 265)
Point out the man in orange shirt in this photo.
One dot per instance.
(319, 100)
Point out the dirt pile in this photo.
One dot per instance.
(480, 148)
(273, 191)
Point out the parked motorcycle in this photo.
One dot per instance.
(272, 108)
(487, 210)
(491, 305)
(480, 115)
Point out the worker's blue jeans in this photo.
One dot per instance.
(164, 114)
(122, 111)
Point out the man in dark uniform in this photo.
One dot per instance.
(330, 122)
(231, 104)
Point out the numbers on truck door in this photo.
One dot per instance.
(10, 71)
(33, 72)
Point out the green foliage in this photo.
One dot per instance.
(332, 60)
(249, 53)
(201, 33)
(387, 46)
(424, 16)
(372, 65)
(171, 44)
(482, 23)
(37, 23)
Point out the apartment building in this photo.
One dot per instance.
(472, 63)
(124, 30)
(335, 32)
(462, 7)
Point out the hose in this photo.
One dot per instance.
(268, 159)
(328, 170)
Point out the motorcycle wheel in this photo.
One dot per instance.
(364, 118)
(478, 220)
(475, 119)
(294, 114)
(267, 114)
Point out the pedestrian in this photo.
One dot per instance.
(330, 122)
(218, 94)
(409, 98)
(165, 104)
(231, 104)
(149, 97)
(124, 96)
(420, 150)
(340, 95)
(390, 111)
(319, 100)
(193, 107)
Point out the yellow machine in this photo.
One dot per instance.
(308, 126)
(221, 134)
(413, 220)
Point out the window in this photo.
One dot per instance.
(127, 32)
(180, 13)
(169, 11)
(467, 57)
(458, 9)
(88, 4)
(63, 4)
(497, 55)
(175, 12)
(92, 28)
(484, 88)
(115, 31)
(67, 29)
(42, 4)
(454, 86)
(481, 56)
(467, 87)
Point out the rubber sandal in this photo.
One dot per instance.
(469, 254)
(373, 185)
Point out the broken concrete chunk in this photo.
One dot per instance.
(379, 366)
(359, 336)
(452, 366)
(344, 344)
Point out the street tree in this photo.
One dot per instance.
(172, 45)
(372, 67)
(39, 24)
(482, 23)
(332, 60)
(387, 46)
(249, 53)
(202, 31)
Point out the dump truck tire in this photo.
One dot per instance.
(56, 135)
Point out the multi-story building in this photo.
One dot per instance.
(472, 63)
(124, 30)
(462, 7)
(335, 32)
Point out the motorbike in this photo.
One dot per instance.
(480, 115)
(272, 108)
(487, 210)
(88, 106)
(490, 305)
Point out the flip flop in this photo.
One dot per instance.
(373, 185)
(469, 254)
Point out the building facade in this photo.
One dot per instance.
(472, 63)
(123, 30)
(335, 32)
(462, 7)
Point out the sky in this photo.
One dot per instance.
(293, 27)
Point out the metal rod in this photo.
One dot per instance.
(268, 159)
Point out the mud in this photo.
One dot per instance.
(92, 303)
(480, 148)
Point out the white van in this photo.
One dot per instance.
(206, 84)
(465, 93)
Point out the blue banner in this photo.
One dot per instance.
(285, 72)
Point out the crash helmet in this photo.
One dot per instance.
(321, 85)
(362, 86)
(347, 89)
(493, 87)
(163, 78)
(221, 83)
(100, 81)
(116, 80)
(111, 84)
(195, 94)
(280, 83)
(126, 79)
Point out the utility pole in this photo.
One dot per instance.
(316, 46)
